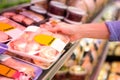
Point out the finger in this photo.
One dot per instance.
(55, 29)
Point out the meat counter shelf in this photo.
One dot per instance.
(49, 74)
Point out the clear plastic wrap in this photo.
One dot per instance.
(9, 30)
(31, 45)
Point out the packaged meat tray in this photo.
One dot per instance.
(24, 16)
(39, 46)
(8, 29)
(37, 18)
(25, 71)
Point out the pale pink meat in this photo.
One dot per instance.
(25, 43)
(12, 23)
(5, 78)
(18, 18)
(21, 67)
(48, 53)
(3, 36)
(9, 14)
(19, 45)
(28, 21)
(32, 47)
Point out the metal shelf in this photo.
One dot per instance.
(100, 62)
(49, 74)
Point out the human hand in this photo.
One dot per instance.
(72, 31)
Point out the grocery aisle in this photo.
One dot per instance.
(29, 51)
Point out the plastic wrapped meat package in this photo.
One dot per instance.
(4, 37)
(24, 16)
(39, 46)
(10, 22)
(20, 70)
(12, 68)
(8, 29)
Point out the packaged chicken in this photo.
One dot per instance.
(9, 29)
(27, 70)
(9, 72)
(10, 22)
(39, 44)
(4, 37)
(5, 78)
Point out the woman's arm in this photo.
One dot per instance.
(94, 30)
(105, 30)
(114, 29)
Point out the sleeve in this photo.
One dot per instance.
(114, 29)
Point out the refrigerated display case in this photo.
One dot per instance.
(49, 73)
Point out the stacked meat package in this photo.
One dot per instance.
(27, 46)
(39, 46)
